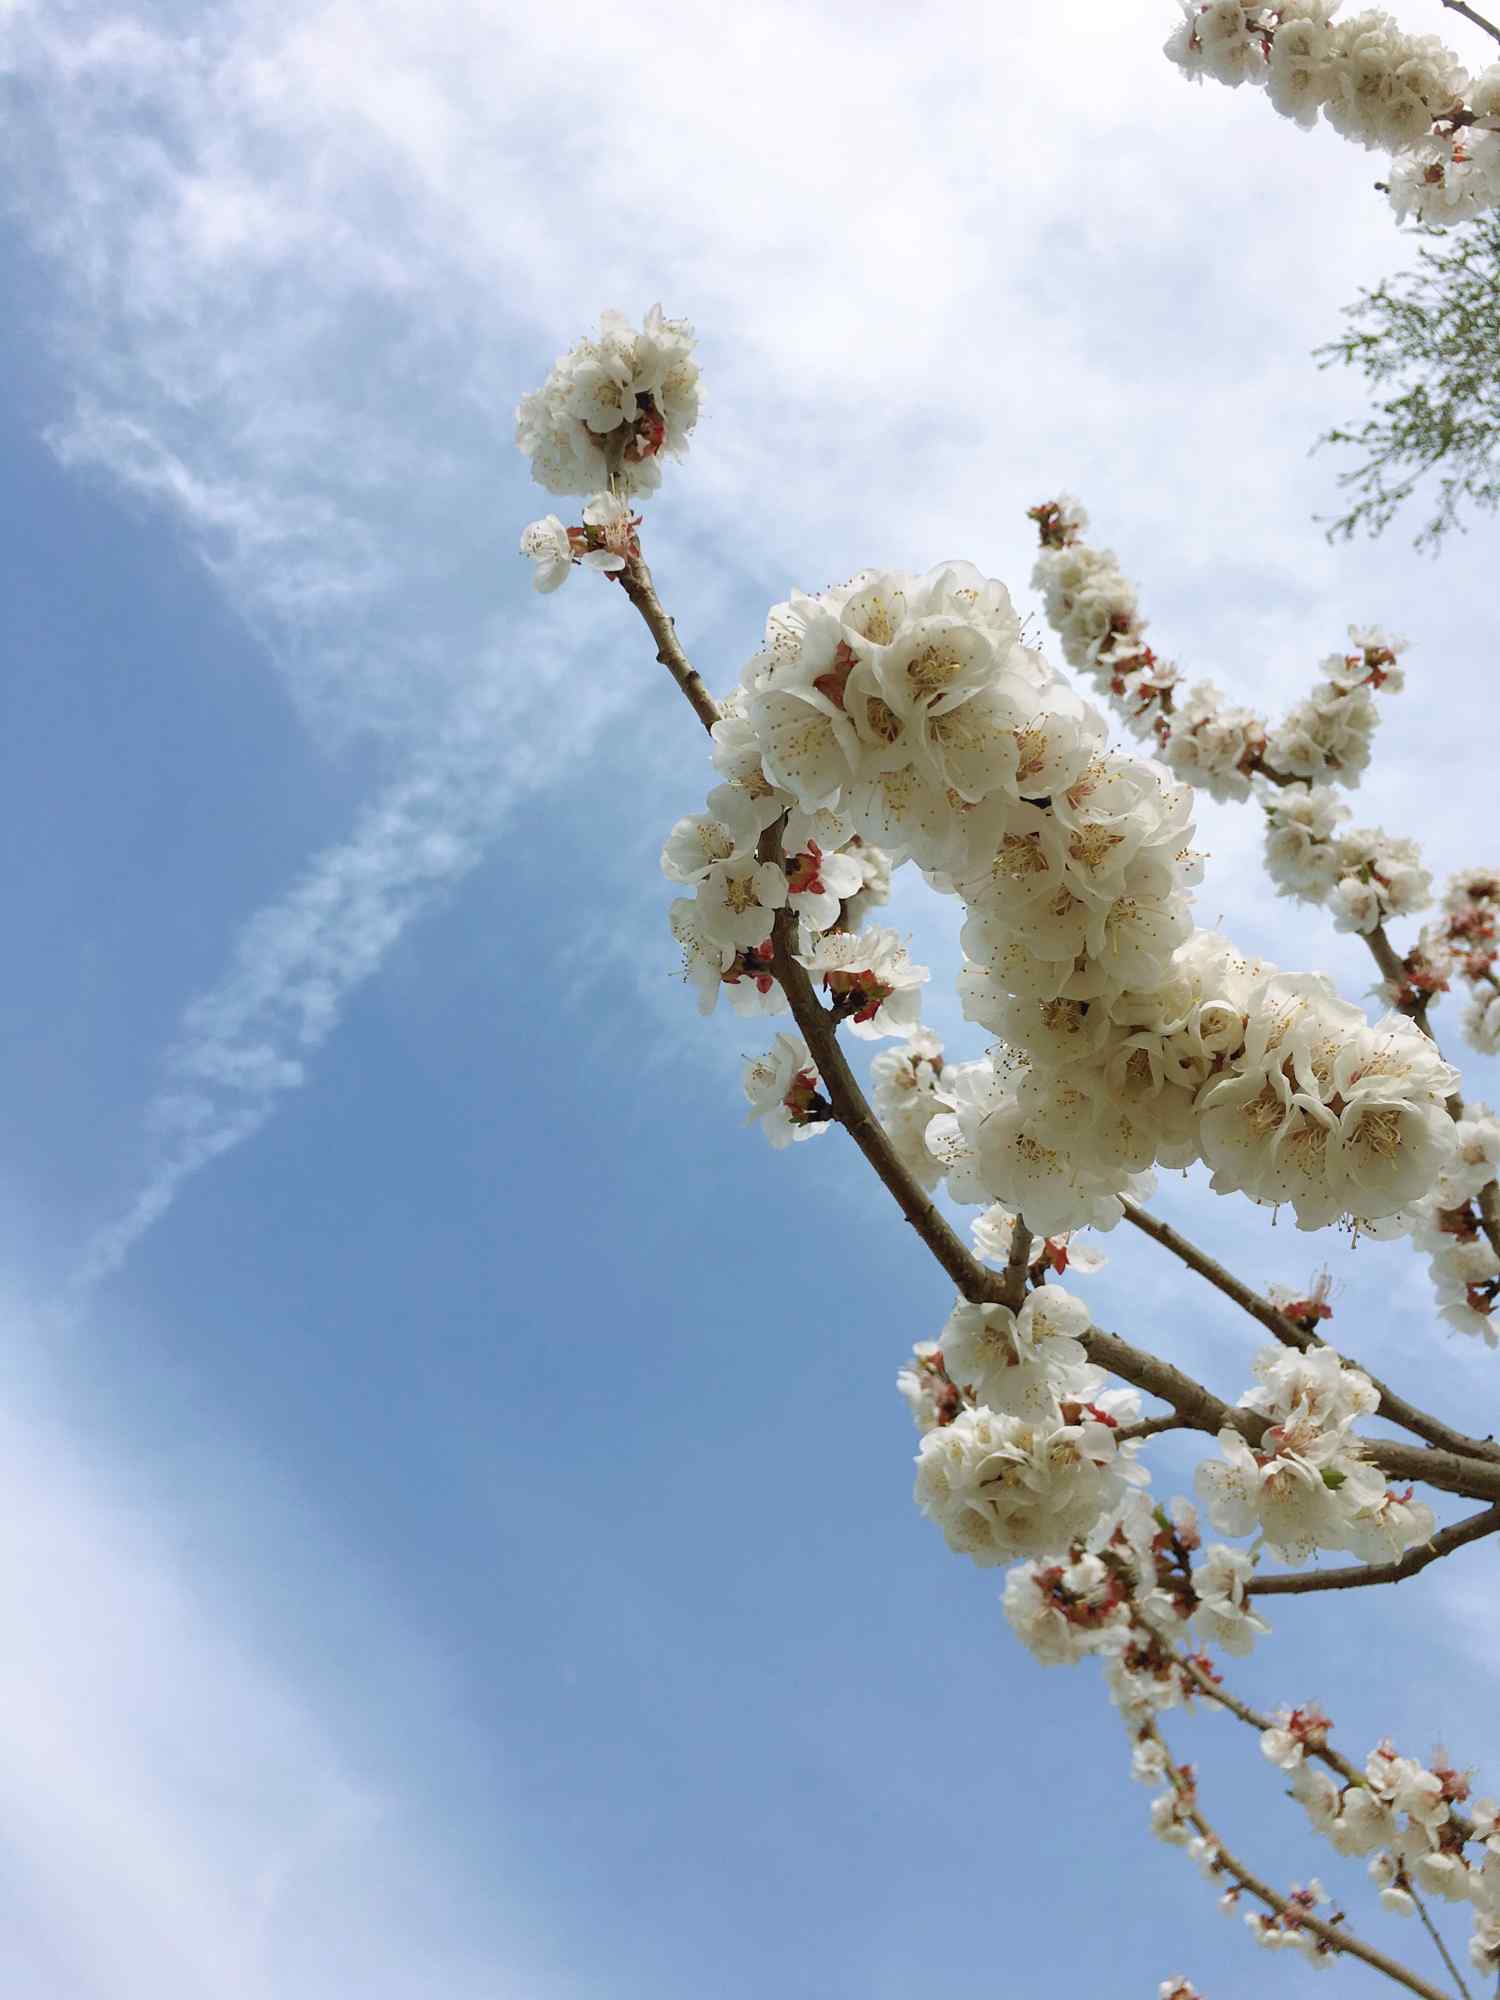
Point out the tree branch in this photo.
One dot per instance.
(1017, 1264)
(1395, 1409)
(1358, 1575)
(1336, 1936)
(974, 1280)
(1432, 1931)
(635, 581)
(1215, 1691)
(1393, 970)
(1463, 7)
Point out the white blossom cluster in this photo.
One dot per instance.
(1027, 1464)
(992, 1233)
(782, 1087)
(598, 426)
(1362, 874)
(1406, 1816)
(1307, 1483)
(1205, 740)
(1448, 1225)
(1130, 1593)
(903, 713)
(1464, 943)
(908, 1082)
(1285, 1091)
(1396, 93)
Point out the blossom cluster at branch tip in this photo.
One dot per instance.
(611, 407)
(1463, 943)
(1448, 1225)
(1406, 95)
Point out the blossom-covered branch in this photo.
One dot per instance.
(1443, 1543)
(1292, 1918)
(1406, 95)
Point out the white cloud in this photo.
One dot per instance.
(180, 1817)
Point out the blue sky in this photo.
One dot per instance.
(457, 1525)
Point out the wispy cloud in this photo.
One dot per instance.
(295, 963)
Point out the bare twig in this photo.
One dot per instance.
(1395, 1409)
(1216, 1692)
(1463, 7)
(1338, 1937)
(635, 581)
(1432, 1931)
(974, 1280)
(1150, 1427)
(1356, 1576)
(1286, 1330)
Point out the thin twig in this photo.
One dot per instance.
(1395, 1409)
(1463, 7)
(1150, 1427)
(1355, 1577)
(1216, 1692)
(1325, 1753)
(635, 581)
(974, 1280)
(1336, 1936)
(1432, 1931)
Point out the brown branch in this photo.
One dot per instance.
(974, 1280)
(1336, 1936)
(1358, 1575)
(1463, 7)
(1215, 1691)
(1150, 1427)
(1488, 1200)
(1017, 1264)
(1394, 971)
(635, 581)
(1395, 1409)
(1432, 1931)
(1324, 1752)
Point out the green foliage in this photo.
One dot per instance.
(1428, 343)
